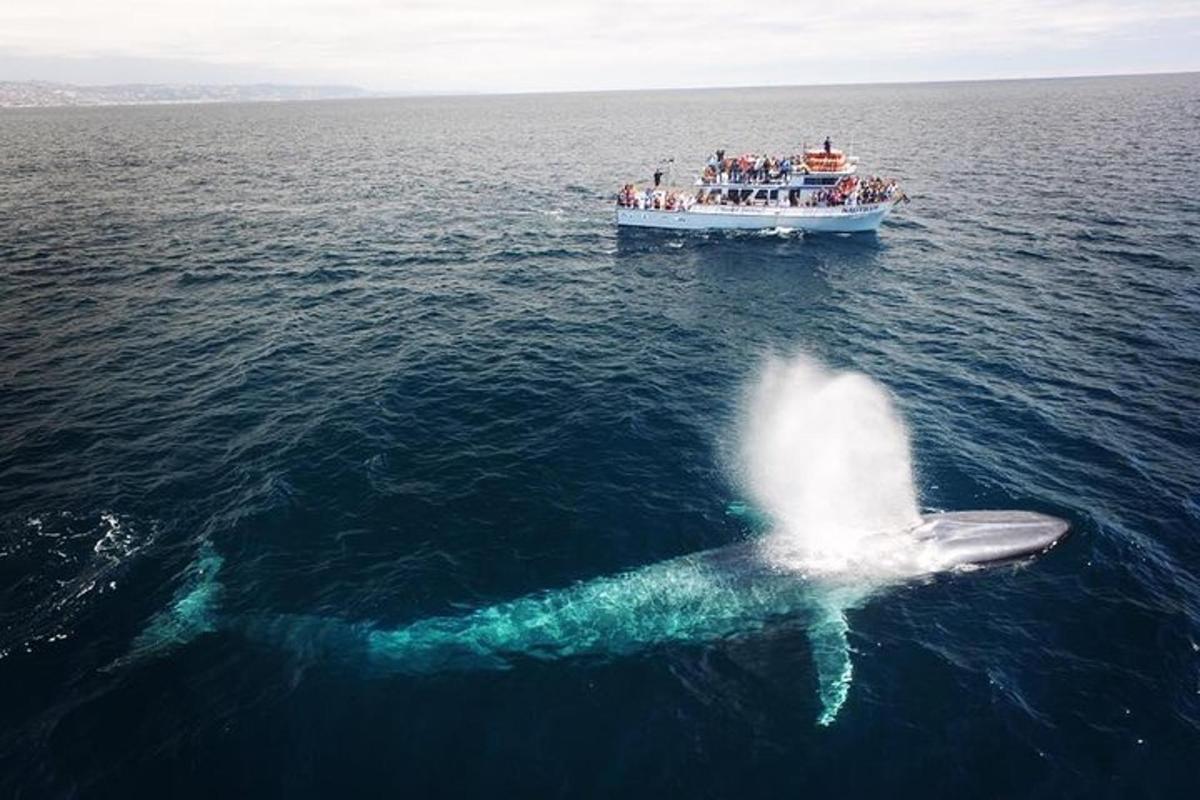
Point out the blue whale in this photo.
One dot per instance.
(730, 591)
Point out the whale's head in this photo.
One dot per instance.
(984, 538)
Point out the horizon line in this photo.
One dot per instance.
(717, 87)
(401, 94)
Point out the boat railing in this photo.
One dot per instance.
(793, 181)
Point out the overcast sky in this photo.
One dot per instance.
(532, 45)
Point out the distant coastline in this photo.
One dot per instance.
(48, 94)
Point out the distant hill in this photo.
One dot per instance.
(44, 93)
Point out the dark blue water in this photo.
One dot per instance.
(391, 359)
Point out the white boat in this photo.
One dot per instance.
(819, 191)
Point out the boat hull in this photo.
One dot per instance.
(832, 219)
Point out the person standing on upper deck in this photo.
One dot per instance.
(828, 145)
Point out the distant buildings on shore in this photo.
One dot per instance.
(44, 94)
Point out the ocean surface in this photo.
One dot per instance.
(388, 360)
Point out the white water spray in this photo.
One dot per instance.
(826, 456)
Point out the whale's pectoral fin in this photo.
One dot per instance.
(192, 610)
(831, 654)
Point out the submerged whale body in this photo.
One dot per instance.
(715, 594)
(826, 461)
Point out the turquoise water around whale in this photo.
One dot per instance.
(391, 361)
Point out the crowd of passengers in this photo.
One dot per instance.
(850, 191)
(657, 199)
(753, 168)
(750, 169)
(877, 190)
(853, 192)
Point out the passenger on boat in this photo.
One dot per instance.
(754, 168)
(828, 146)
(849, 191)
(658, 173)
(877, 190)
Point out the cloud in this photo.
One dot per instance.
(547, 44)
